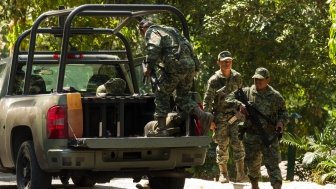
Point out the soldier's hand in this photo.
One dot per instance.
(241, 132)
(243, 110)
(213, 126)
(279, 126)
(240, 136)
(147, 71)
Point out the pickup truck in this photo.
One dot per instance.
(54, 125)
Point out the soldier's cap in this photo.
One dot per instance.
(261, 73)
(224, 55)
(115, 86)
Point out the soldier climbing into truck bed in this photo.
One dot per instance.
(173, 54)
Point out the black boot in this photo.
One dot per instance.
(240, 171)
(161, 129)
(277, 185)
(223, 174)
(254, 182)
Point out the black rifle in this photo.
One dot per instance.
(153, 79)
(253, 116)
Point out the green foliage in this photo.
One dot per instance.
(316, 154)
(282, 36)
(327, 170)
(293, 140)
(332, 39)
(209, 170)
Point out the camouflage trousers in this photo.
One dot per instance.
(257, 153)
(227, 134)
(181, 83)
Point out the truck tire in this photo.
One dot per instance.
(166, 182)
(83, 180)
(28, 172)
(64, 179)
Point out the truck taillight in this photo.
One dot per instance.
(57, 123)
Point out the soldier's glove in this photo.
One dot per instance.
(279, 134)
(241, 132)
(243, 110)
(213, 126)
(279, 129)
(147, 71)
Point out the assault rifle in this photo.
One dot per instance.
(253, 116)
(152, 78)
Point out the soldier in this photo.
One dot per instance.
(270, 103)
(222, 83)
(172, 53)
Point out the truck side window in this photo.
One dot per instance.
(18, 82)
(2, 73)
(37, 85)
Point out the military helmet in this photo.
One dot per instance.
(115, 86)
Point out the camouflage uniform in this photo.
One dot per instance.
(177, 70)
(271, 104)
(218, 88)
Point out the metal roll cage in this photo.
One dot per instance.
(66, 17)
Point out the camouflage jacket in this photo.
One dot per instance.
(169, 50)
(218, 88)
(270, 103)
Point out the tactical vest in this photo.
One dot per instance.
(272, 113)
(220, 105)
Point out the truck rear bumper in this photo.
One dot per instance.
(99, 155)
(141, 142)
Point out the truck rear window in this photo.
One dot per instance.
(84, 78)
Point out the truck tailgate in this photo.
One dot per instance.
(141, 142)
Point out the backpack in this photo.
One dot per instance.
(184, 46)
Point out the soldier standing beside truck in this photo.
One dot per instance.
(172, 53)
(222, 83)
(268, 104)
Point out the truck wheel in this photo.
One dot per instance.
(64, 179)
(83, 180)
(28, 172)
(166, 182)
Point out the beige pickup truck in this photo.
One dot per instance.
(54, 125)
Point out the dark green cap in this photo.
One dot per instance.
(261, 73)
(224, 55)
